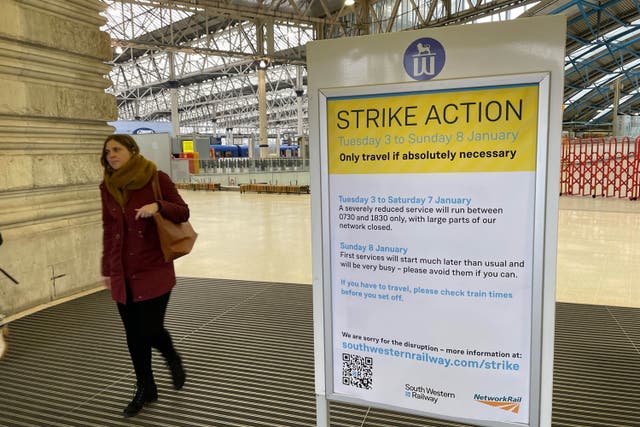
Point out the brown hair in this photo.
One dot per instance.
(126, 140)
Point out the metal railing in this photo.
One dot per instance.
(247, 165)
(238, 170)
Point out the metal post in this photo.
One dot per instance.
(262, 108)
(299, 93)
(173, 91)
(262, 92)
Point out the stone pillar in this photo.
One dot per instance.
(53, 114)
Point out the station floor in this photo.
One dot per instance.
(267, 237)
(242, 317)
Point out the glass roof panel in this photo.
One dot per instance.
(592, 66)
(607, 78)
(617, 36)
(145, 18)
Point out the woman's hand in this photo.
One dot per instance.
(147, 211)
(106, 282)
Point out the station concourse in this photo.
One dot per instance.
(241, 314)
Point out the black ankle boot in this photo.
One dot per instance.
(144, 394)
(178, 375)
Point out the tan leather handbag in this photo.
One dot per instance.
(176, 240)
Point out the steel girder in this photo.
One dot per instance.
(603, 41)
(216, 46)
(214, 60)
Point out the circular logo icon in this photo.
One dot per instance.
(141, 131)
(424, 59)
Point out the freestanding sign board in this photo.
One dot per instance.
(435, 212)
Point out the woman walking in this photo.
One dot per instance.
(133, 266)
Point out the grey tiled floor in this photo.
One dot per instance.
(248, 350)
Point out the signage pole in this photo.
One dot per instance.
(322, 411)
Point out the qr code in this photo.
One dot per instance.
(357, 371)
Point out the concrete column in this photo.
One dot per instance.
(299, 113)
(53, 115)
(229, 137)
(252, 144)
(175, 116)
(614, 112)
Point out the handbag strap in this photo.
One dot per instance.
(156, 187)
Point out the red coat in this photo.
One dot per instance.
(131, 249)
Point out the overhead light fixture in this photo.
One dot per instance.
(119, 50)
(262, 63)
(349, 2)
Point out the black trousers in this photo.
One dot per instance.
(144, 325)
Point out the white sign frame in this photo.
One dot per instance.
(542, 80)
(518, 47)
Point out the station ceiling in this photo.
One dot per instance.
(206, 52)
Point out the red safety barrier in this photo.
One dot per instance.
(194, 164)
(600, 167)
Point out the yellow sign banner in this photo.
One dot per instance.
(187, 146)
(488, 129)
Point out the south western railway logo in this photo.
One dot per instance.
(506, 403)
(424, 59)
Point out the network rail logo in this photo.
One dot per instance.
(424, 59)
(506, 403)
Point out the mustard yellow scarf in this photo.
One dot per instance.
(133, 175)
